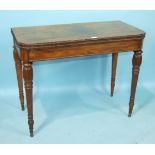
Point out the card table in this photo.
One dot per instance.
(41, 43)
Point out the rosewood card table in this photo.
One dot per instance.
(39, 43)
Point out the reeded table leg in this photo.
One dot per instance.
(28, 77)
(136, 61)
(18, 65)
(114, 66)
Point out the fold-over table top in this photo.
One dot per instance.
(45, 35)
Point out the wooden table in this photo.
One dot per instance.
(73, 40)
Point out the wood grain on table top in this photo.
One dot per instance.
(42, 35)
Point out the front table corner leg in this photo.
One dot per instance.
(136, 61)
(28, 78)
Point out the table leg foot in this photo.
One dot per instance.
(23, 108)
(31, 135)
(31, 128)
(111, 94)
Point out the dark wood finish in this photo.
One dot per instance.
(74, 40)
(19, 77)
(77, 50)
(113, 76)
(137, 60)
(71, 33)
(28, 77)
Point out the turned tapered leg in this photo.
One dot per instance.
(28, 78)
(19, 77)
(113, 76)
(136, 61)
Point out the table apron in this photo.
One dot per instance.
(46, 53)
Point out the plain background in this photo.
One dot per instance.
(71, 96)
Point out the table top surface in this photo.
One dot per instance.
(42, 35)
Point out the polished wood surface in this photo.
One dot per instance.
(113, 75)
(74, 40)
(45, 35)
(19, 77)
(28, 77)
(136, 61)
